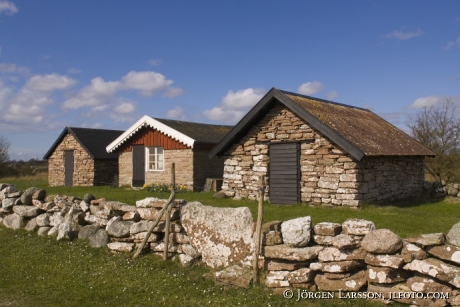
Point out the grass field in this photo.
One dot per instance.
(40, 271)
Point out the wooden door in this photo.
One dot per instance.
(138, 165)
(284, 173)
(68, 168)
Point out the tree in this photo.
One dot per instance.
(438, 128)
(4, 154)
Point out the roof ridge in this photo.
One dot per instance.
(323, 100)
(189, 122)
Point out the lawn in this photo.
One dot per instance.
(40, 271)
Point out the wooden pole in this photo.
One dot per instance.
(160, 214)
(168, 211)
(258, 235)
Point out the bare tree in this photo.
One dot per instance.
(4, 154)
(438, 128)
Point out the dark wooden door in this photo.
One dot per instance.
(284, 173)
(138, 165)
(68, 168)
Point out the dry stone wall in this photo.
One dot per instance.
(348, 260)
(329, 175)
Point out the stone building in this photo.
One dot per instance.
(317, 151)
(147, 149)
(78, 158)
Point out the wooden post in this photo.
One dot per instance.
(160, 214)
(168, 212)
(257, 235)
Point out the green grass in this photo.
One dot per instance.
(40, 271)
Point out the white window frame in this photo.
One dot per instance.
(157, 155)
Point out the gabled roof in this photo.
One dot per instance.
(187, 133)
(93, 141)
(358, 131)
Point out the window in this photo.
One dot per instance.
(155, 158)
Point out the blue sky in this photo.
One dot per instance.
(105, 64)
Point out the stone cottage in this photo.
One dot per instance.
(147, 149)
(78, 158)
(317, 151)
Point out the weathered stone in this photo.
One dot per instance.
(411, 251)
(453, 236)
(186, 260)
(223, 236)
(300, 276)
(9, 189)
(357, 227)
(343, 241)
(87, 198)
(280, 265)
(104, 214)
(131, 216)
(190, 250)
(139, 237)
(328, 229)
(179, 238)
(31, 225)
(381, 241)
(119, 229)
(277, 279)
(13, 221)
(160, 247)
(353, 283)
(42, 231)
(56, 219)
(84, 206)
(53, 231)
(92, 219)
(391, 261)
(341, 266)
(428, 239)
(121, 247)
(26, 197)
(42, 205)
(337, 275)
(68, 230)
(43, 220)
(385, 275)
(271, 226)
(99, 239)
(142, 226)
(26, 211)
(388, 290)
(445, 252)
(436, 268)
(292, 253)
(153, 202)
(272, 237)
(39, 194)
(426, 284)
(152, 214)
(8, 203)
(234, 276)
(323, 240)
(335, 254)
(88, 230)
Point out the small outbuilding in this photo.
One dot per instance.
(318, 151)
(78, 158)
(147, 149)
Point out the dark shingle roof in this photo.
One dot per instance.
(358, 131)
(94, 141)
(202, 133)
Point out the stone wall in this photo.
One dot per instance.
(328, 175)
(348, 260)
(83, 164)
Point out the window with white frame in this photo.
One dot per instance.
(155, 158)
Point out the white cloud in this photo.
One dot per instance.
(310, 88)
(8, 7)
(49, 83)
(235, 105)
(97, 93)
(426, 102)
(452, 44)
(125, 108)
(176, 113)
(7, 68)
(332, 95)
(403, 35)
(73, 71)
(147, 82)
(155, 62)
(172, 92)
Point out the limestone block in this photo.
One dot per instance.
(292, 253)
(453, 236)
(13, 221)
(386, 275)
(121, 246)
(334, 254)
(341, 266)
(26, 211)
(353, 283)
(411, 251)
(436, 268)
(428, 239)
(296, 232)
(328, 229)
(300, 276)
(445, 252)
(391, 261)
(381, 241)
(357, 227)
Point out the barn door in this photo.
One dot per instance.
(284, 173)
(68, 167)
(138, 165)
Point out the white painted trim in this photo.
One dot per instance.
(150, 122)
